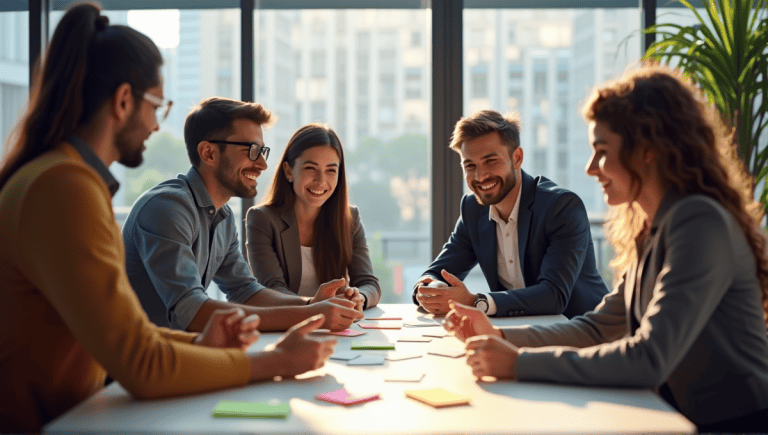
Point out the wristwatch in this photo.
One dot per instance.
(482, 303)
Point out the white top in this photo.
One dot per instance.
(309, 282)
(507, 252)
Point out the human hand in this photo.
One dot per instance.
(229, 328)
(435, 300)
(466, 322)
(353, 294)
(491, 356)
(339, 313)
(300, 353)
(328, 290)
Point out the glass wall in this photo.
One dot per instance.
(367, 74)
(542, 63)
(14, 69)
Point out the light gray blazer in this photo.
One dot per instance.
(688, 319)
(274, 252)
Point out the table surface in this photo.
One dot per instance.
(496, 407)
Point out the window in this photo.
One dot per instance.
(479, 81)
(14, 69)
(317, 62)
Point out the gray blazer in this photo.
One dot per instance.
(274, 253)
(688, 320)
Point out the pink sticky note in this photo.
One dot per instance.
(348, 333)
(342, 397)
(383, 318)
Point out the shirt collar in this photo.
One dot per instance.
(96, 163)
(493, 213)
(200, 193)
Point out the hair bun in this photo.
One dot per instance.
(102, 23)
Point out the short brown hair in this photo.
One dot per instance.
(212, 119)
(484, 122)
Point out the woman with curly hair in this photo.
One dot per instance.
(687, 315)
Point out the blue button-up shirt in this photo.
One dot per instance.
(175, 244)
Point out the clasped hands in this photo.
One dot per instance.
(341, 305)
(435, 299)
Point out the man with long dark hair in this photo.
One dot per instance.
(181, 234)
(69, 315)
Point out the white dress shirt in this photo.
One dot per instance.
(507, 252)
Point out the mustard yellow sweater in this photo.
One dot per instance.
(67, 311)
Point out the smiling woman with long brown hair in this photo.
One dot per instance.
(687, 315)
(304, 232)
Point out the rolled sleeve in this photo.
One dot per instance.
(234, 277)
(163, 233)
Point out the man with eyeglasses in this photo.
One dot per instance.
(181, 234)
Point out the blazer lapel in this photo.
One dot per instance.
(291, 249)
(524, 216)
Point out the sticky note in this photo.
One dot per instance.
(414, 339)
(342, 397)
(397, 356)
(348, 333)
(420, 324)
(227, 408)
(383, 318)
(437, 397)
(404, 377)
(367, 360)
(372, 345)
(345, 355)
(453, 353)
(380, 325)
(436, 334)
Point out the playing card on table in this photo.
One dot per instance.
(367, 360)
(414, 338)
(397, 356)
(382, 325)
(404, 377)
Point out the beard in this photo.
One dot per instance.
(228, 177)
(130, 149)
(506, 185)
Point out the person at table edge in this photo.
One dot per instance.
(531, 237)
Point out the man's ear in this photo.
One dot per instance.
(122, 102)
(208, 152)
(517, 157)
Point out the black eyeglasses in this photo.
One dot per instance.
(253, 153)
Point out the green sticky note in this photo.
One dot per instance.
(372, 345)
(227, 408)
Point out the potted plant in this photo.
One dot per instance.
(726, 54)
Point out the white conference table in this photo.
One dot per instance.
(496, 407)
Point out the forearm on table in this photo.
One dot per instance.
(279, 311)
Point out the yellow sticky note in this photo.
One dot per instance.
(437, 397)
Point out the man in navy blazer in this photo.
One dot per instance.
(531, 237)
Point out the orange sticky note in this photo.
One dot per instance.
(437, 397)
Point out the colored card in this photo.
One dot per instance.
(367, 360)
(380, 325)
(372, 345)
(342, 397)
(345, 355)
(227, 408)
(383, 318)
(437, 397)
(452, 352)
(404, 377)
(397, 356)
(414, 338)
(437, 333)
(348, 333)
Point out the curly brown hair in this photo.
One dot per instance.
(655, 107)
